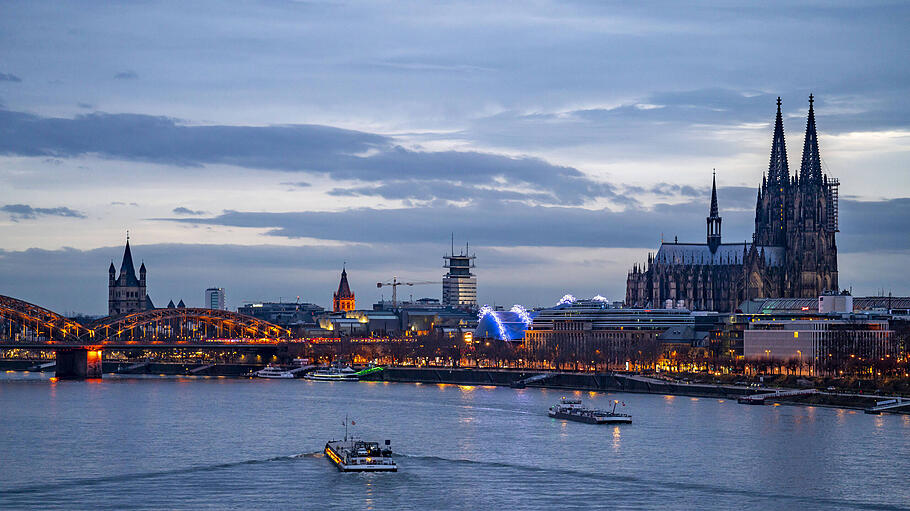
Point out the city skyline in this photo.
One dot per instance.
(559, 140)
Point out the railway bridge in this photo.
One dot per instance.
(79, 347)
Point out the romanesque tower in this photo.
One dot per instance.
(126, 293)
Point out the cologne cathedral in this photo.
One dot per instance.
(793, 253)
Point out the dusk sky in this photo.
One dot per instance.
(257, 146)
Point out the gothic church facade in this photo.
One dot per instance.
(793, 252)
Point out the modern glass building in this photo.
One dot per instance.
(214, 298)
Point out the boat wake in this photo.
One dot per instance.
(94, 481)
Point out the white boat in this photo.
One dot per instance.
(334, 373)
(273, 372)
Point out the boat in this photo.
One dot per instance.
(274, 372)
(335, 372)
(572, 409)
(354, 455)
(338, 372)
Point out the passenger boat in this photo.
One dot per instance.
(338, 372)
(353, 455)
(334, 373)
(274, 372)
(572, 409)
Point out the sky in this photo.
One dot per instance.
(261, 145)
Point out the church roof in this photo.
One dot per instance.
(344, 290)
(700, 253)
(126, 267)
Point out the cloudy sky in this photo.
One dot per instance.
(259, 145)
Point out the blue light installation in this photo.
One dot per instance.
(522, 313)
(565, 300)
(487, 310)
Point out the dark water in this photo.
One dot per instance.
(255, 444)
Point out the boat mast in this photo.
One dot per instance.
(346, 426)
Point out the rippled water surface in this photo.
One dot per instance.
(169, 443)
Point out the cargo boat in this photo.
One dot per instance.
(572, 409)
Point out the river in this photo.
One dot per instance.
(214, 443)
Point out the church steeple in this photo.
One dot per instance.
(343, 299)
(778, 170)
(713, 219)
(810, 171)
(126, 266)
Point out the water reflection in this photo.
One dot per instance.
(616, 430)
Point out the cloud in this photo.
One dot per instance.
(25, 212)
(501, 223)
(187, 211)
(85, 106)
(126, 75)
(120, 203)
(336, 153)
(9, 77)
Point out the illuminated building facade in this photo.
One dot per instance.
(126, 293)
(792, 254)
(594, 330)
(343, 299)
(459, 285)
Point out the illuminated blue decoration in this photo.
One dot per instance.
(566, 300)
(503, 325)
(522, 313)
(487, 311)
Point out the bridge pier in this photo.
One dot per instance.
(78, 363)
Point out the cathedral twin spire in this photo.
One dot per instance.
(810, 172)
(778, 170)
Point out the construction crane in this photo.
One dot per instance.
(395, 283)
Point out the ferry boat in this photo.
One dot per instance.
(353, 455)
(572, 409)
(274, 372)
(334, 373)
(337, 372)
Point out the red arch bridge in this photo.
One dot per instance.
(78, 347)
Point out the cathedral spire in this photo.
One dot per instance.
(713, 219)
(810, 172)
(713, 212)
(778, 170)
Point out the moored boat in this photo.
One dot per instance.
(274, 372)
(338, 372)
(572, 409)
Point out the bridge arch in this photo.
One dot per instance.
(27, 322)
(183, 324)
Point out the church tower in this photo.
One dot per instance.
(811, 245)
(126, 293)
(773, 209)
(343, 299)
(713, 219)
